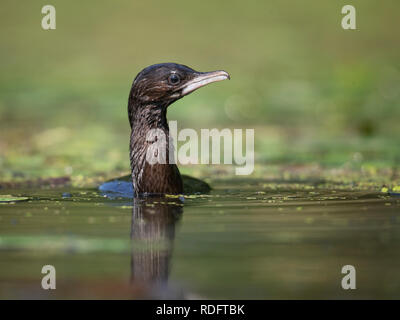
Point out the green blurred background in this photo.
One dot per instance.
(315, 93)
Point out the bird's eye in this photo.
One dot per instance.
(174, 79)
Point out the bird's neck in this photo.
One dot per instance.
(150, 116)
(146, 123)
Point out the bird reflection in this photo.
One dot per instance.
(152, 238)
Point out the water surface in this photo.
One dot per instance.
(249, 239)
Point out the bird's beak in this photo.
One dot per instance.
(202, 79)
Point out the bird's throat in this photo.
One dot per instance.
(152, 170)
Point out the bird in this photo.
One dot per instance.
(153, 90)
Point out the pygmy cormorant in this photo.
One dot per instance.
(153, 90)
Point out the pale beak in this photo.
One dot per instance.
(202, 79)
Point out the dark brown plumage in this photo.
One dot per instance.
(153, 90)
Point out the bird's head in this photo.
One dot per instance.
(163, 84)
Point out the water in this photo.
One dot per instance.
(246, 239)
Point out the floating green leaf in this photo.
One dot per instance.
(9, 198)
